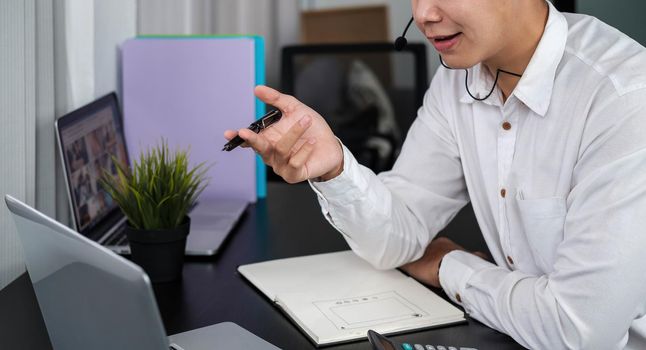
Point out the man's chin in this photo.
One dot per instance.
(457, 62)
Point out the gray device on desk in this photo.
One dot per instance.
(91, 298)
(88, 138)
(379, 342)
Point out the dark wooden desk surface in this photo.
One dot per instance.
(288, 223)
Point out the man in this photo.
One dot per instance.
(554, 163)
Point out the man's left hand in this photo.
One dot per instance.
(427, 268)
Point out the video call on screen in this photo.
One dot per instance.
(89, 146)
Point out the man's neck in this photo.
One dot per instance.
(515, 57)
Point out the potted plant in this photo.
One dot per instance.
(156, 197)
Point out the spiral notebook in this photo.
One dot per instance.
(336, 297)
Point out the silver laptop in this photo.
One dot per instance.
(91, 298)
(88, 138)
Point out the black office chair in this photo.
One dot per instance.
(368, 93)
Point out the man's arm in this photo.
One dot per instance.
(389, 219)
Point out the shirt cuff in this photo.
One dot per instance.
(455, 271)
(347, 187)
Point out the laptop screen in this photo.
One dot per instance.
(89, 137)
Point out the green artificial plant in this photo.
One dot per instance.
(159, 191)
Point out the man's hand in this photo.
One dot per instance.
(427, 268)
(300, 146)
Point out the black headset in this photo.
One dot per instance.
(401, 42)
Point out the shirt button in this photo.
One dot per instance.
(511, 262)
(458, 298)
(506, 125)
(503, 192)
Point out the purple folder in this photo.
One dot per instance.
(189, 91)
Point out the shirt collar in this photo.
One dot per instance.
(480, 82)
(535, 87)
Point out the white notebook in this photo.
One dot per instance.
(337, 297)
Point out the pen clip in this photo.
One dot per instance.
(256, 126)
(265, 122)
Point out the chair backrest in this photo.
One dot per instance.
(372, 93)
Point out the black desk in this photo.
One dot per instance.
(289, 223)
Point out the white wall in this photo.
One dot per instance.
(174, 17)
(114, 21)
(87, 39)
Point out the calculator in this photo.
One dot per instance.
(379, 342)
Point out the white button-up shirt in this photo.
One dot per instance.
(568, 235)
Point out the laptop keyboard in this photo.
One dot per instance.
(118, 238)
(123, 240)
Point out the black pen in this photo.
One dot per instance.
(264, 122)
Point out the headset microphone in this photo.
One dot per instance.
(400, 42)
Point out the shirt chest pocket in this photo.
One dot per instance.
(543, 221)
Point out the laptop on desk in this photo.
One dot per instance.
(88, 138)
(91, 298)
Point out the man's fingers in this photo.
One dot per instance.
(286, 143)
(285, 103)
(295, 171)
(297, 161)
(257, 142)
(230, 134)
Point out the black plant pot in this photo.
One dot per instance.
(159, 252)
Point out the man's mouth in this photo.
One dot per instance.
(444, 43)
(444, 38)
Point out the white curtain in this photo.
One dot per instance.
(276, 20)
(56, 56)
(17, 110)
